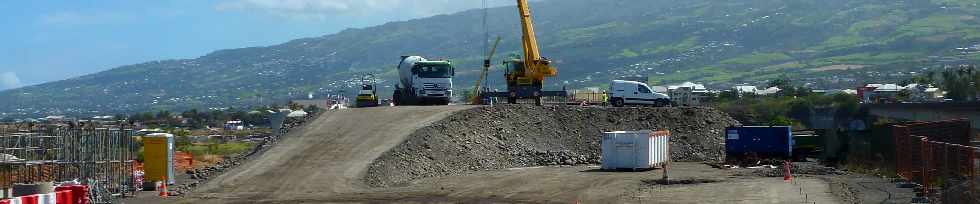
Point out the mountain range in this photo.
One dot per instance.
(719, 43)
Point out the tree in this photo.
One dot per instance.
(781, 121)
(295, 106)
(729, 95)
(800, 91)
(800, 109)
(781, 83)
(960, 83)
(904, 95)
(927, 79)
(163, 115)
(976, 81)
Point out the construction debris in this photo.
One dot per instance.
(500, 137)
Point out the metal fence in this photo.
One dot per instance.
(938, 159)
(573, 97)
(102, 158)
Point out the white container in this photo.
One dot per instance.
(635, 149)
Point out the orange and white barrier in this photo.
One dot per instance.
(63, 195)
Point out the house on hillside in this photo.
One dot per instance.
(888, 93)
(688, 94)
(924, 93)
(880, 93)
(297, 114)
(768, 91)
(745, 90)
(234, 125)
(835, 91)
(753, 90)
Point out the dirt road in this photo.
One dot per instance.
(325, 158)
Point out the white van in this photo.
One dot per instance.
(623, 92)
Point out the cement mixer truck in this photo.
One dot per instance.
(424, 82)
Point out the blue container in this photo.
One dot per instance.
(764, 142)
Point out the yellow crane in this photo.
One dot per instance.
(476, 98)
(525, 77)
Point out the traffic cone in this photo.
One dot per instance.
(787, 175)
(163, 188)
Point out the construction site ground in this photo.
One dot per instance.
(326, 162)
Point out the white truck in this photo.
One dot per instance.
(622, 93)
(424, 82)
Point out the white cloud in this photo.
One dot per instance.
(324, 9)
(9, 80)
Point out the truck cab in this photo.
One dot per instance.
(424, 82)
(622, 93)
(435, 80)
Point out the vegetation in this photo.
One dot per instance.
(194, 119)
(960, 83)
(216, 148)
(793, 106)
(757, 59)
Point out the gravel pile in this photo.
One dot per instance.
(491, 138)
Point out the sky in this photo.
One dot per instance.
(50, 40)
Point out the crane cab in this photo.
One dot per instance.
(514, 71)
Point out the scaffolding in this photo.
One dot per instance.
(102, 158)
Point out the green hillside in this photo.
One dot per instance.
(714, 42)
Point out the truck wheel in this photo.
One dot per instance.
(662, 103)
(618, 102)
(396, 98)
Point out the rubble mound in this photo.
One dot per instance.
(512, 136)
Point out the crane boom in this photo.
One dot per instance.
(530, 40)
(535, 66)
(475, 99)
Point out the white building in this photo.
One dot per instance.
(768, 91)
(296, 114)
(235, 125)
(836, 91)
(889, 93)
(745, 90)
(688, 93)
(924, 93)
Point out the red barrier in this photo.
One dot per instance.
(65, 197)
(31, 199)
(78, 194)
(937, 156)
